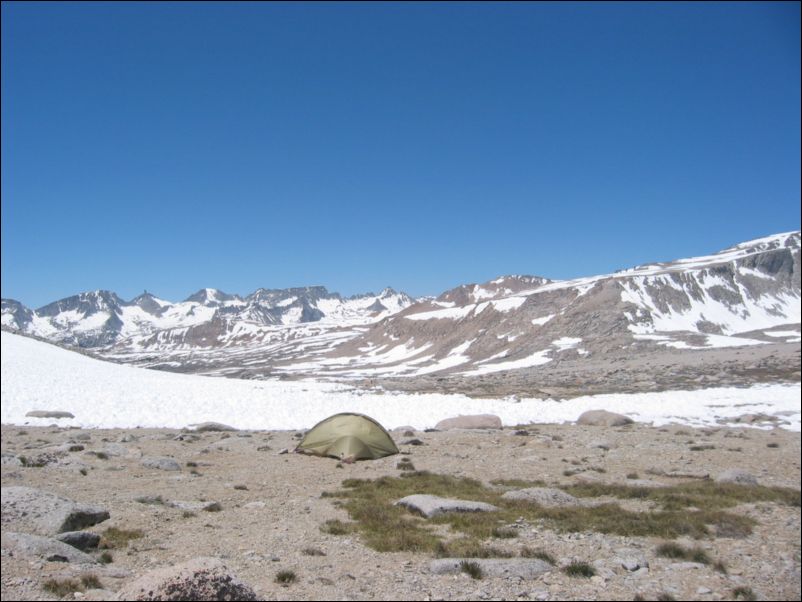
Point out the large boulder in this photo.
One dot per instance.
(476, 421)
(44, 513)
(603, 418)
(432, 505)
(36, 547)
(196, 579)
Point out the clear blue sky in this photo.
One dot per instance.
(177, 146)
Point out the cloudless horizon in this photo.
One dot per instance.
(176, 146)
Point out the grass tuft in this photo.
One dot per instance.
(62, 587)
(743, 593)
(539, 554)
(105, 558)
(671, 550)
(118, 538)
(471, 568)
(467, 547)
(65, 587)
(579, 568)
(152, 500)
(91, 581)
(286, 577)
(405, 464)
(517, 483)
(336, 527)
(678, 552)
(504, 533)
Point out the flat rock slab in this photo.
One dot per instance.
(194, 506)
(545, 496)
(645, 483)
(44, 513)
(517, 568)
(196, 579)
(476, 421)
(35, 547)
(49, 414)
(603, 418)
(432, 505)
(160, 462)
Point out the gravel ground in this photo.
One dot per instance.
(272, 510)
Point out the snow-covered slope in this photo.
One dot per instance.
(39, 376)
(746, 295)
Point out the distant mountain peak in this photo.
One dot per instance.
(211, 297)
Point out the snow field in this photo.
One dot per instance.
(39, 376)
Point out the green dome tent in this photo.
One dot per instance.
(348, 437)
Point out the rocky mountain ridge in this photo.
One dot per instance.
(745, 296)
(98, 319)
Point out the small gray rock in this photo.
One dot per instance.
(633, 563)
(160, 463)
(80, 540)
(432, 505)
(194, 506)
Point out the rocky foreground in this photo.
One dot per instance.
(99, 514)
